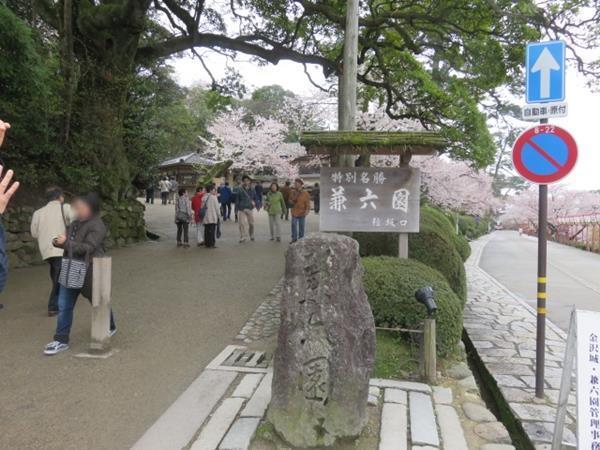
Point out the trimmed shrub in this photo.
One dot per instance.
(472, 228)
(391, 283)
(443, 222)
(435, 247)
(386, 244)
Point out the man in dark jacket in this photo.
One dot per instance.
(6, 192)
(225, 201)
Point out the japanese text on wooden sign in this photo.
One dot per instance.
(588, 380)
(370, 199)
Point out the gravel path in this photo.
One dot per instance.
(175, 310)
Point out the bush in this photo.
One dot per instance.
(386, 244)
(435, 246)
(472, 228)
(390, 284)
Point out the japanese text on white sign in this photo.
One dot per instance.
(370, 199)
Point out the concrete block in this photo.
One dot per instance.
(394, 426)
(240, 435)
(257, 405)
(423, 428)
(212, 433)
(395, 396)
(452, 432)
(247, 386)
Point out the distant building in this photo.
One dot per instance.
(185, 169)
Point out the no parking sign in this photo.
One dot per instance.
(544, 154)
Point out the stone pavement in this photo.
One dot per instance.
(175, 310)
(225, 406)
(502, 330)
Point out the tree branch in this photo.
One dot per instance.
(244, 44)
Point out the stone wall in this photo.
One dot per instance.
(124, 220)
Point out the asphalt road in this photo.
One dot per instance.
(175, 310)
(573, 275)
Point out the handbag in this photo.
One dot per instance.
(73, 271)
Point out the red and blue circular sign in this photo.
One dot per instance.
(544, 154)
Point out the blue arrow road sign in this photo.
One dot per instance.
(545, 76)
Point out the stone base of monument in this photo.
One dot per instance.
(326, 344)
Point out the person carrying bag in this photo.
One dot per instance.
(83, 242)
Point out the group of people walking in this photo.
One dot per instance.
(212, 205)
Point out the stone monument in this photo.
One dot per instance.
(326, 345)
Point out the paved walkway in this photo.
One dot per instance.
(502, 329)
(572, 273)
(175, 309)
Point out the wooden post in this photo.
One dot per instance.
(348, 80)
(429, 351)
(403, 245)
(101, 293)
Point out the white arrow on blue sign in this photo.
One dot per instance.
(545, 76)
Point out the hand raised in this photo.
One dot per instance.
(4, 126)
(6, 189)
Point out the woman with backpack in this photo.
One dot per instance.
(83, 241)
(183, 217)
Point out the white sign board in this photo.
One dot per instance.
(588, 380)
(370, 199)
(537, 111)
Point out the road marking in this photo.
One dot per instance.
(544, 154)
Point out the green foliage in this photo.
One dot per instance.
(158, 122)
(27, 101)
(436, 245)
(395, 357)
(473, 228)
(391, 283)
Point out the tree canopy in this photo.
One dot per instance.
(438, 62)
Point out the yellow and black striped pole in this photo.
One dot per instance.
(540, 352)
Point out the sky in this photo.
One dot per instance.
(582, 122)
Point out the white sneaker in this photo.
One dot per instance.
(55, 347)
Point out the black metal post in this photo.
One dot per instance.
(540, 353)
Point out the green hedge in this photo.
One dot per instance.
(472, 228)
(391, 283)
(446, 225)
(436, 245)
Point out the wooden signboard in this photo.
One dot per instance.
(370, 199)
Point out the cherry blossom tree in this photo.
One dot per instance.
(258, 148)
(449, 184)
(522, 209)
(456, 186)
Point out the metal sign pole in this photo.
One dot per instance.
(540, 353)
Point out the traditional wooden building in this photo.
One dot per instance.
(187, 169)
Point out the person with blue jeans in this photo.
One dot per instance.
(84, 240)
(300, 201)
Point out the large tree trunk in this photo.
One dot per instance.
(98, 139)
(105, 50)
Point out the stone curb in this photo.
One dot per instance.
(501, 329)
